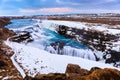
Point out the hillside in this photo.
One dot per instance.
(7, 69)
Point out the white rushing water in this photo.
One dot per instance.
(44, 34)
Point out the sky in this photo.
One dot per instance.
(45, 7)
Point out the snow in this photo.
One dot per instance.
(72, 24)
(80, 25)
(1, 76)
(106, 30)
(7, 77)
(33, 60)
(116, 46)
(18, 67)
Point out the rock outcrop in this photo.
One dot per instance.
(75, 72)
(95, 40)
(103, 74)
(6, 33)
(7, 69)
(22, 36)
(4, 21)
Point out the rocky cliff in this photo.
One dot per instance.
(4, 21)
(7, 69)
(94, 39)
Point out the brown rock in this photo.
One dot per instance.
(50, 76)
(5, 33)
(6, 66)
(103, 74)
(74, 72)
(4, 22)
(72, 68)
(2, 64)
(94, 68)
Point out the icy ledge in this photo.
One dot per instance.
(33, 61)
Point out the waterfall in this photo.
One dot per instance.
(67, 50)
(44, 34)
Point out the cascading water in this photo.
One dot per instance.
(50, 41)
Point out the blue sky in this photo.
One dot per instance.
(36, 7)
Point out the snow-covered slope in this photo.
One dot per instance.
(32, 61)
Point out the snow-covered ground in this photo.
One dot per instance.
(80, 25)
(33, 61)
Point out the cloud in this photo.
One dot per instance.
(97, 11)
(53, 10)
(56, 9)
(58, 6)
(67, 10)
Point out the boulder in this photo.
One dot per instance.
(94, 68)
(75, 69)
(103, 74)
(62, 29)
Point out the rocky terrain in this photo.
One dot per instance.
(4, 21)
(111, 19)
(95, 39)
(7, 69)
(75, 72)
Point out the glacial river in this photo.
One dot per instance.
(43, 37)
